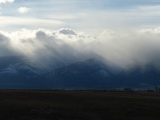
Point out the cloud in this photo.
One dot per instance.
(6, 1)
(122, 49)
(5, 46)
(23, 9)
(13, 23)
(67, 31)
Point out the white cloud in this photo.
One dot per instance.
(133, 17)
(23, 9)
(6, 1)
(123, 49)
(27, 22)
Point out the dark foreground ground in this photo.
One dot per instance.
(78, 105)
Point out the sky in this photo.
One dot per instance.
(89, 16)
(122, 32)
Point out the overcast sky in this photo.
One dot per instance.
(124, 32)
(91, 16)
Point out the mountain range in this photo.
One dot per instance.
(18, 73)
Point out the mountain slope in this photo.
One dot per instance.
(18, 73)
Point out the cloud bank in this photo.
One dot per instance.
(124, 49)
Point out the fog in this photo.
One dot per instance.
(124, 49)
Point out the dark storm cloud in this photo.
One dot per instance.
(5, 46)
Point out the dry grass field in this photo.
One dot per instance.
(78, 105)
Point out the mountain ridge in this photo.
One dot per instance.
(16, 72)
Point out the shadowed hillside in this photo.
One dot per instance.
(18, 73)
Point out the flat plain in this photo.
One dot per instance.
(78, 105)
